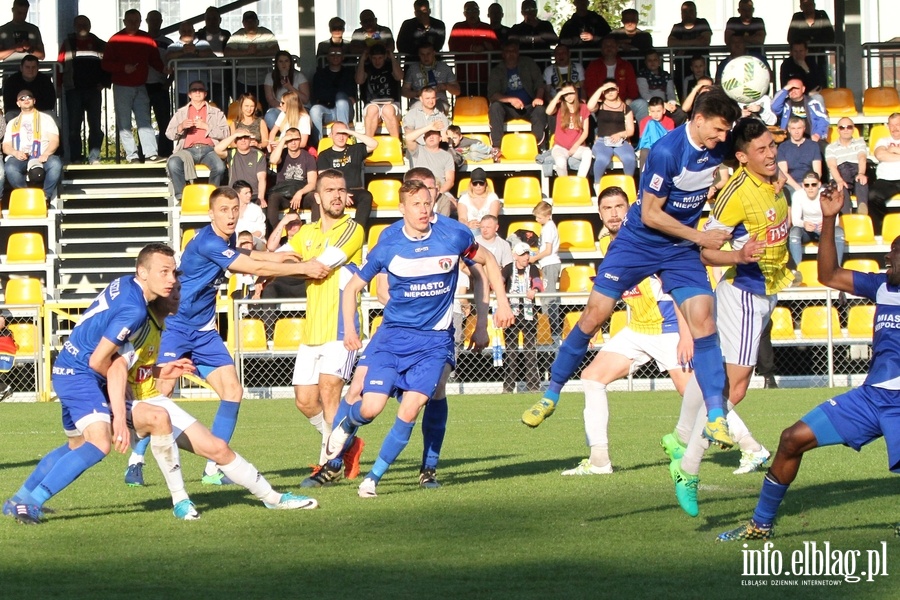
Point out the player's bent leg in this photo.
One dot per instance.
(395, 441)
(155, 421)
(358, 414)
(224, 381)
(753, 454)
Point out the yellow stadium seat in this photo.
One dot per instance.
(288, 334)
(463, 185)
(25, 290)
(25, 335)
(626, 182)
(880, 101)
(858, 229)
(809, 271)
(814, 323)
(576, 236)
(25, 247)
(833, 133)
(861, 321)
(518, 147)
(890, 228)
(376, 323)
(374, 234)
(533, 226)
(569, 322)
(186, 236)
(877, 132)
(863, 265)
(470, 110)
(195, 199)
(577, 278)
(839, 102)
(522, 192)
(324, 144)
(571, 190)
(782, 324)
(388, 152)
(27, 203)
(544, 333)
(385, 193)
(253, 335)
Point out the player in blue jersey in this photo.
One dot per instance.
(660, 236)
(191, 332)
(410, 350)
(92, 413)
(859, 416)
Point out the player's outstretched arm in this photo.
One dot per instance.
(653, 215)
(503, 316)
(311, 269)
(830, 273)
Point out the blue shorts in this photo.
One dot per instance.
(400, 360)
(865, 414)
(627, 264)
(202, 347)
(81, 395)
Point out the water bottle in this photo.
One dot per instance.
(498, 351)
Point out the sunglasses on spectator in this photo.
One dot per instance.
(25, 97)
(198, 89)
(845, 127)
(811, 185)
(479, 183)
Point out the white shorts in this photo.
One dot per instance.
(330, 358)
(643, 347)
(180, 418)
(741, 318)
(380, 106)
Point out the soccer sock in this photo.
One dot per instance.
(596, 421)
(166, 454)
(326, 431)
(318, 421)
(354, 416)
(696, 447)
(710, 374)
(137, 453)
(244, 474)
(740, 433)
(223, 426)
(40, 471)
(343, 410)
(770, 498)
(568, 359)
(66, 470)
(691, 404)
(434, 426)
(394, 443)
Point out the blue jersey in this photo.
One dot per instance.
(884, 370)
(682, 173)
(421, 273)
(203, 266)
(118, 314)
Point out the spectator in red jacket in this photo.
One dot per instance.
(611, 66)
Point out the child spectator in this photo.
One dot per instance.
(653, 127)
(465, 148)
(548, 260)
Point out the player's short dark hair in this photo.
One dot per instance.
(411, 187)
(655, 101)
(241, 185)
(144, 256)
(747, 130)
(418, 173)
(327, 174)
(611, 191)
(716, 103)
(222, 191)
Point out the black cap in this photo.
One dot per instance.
(478, 175)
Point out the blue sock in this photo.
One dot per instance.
(770, 498)
(710, 373)
(394, 443)
(343, 410)
(434, 425)
(40, 471)
(568, 359)
(225, 420)
(354, 416)
(66, 470)
(141, 447)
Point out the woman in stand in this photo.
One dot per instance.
(571, 131)
(477, 202)
(284, 78)
(293, 115)
(248, 118)
(615, 126)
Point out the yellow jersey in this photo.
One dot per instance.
(749, 208)
(141, 355)
(652, 311)
(340, 245)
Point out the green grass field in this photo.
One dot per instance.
(505, 524)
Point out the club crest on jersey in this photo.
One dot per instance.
(771, 215)
(656, 182)
(445, 264)
(228, 253)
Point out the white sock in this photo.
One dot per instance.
(167, 457)
(318, 421)
(326, 431)
(697, 445)
(244, 474)
(690, 405)
(596, 413)
(600, 455)
(135, 459)
(740, 433)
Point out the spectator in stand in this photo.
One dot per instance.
(464, 148)
(29, 78)
(83, 83)
(291, 115)
(703, 84)
(438, 161)
(286, 228)
(158, 83)
(477, 202)
(691, 32)
(563, 72)
(371, 33)
(476, 37)
(336, 27)
(611, 66)
(195, 128)
(698, 71)
(629, 38)
(492, 242)
(19, 37)
(615, 126)
(653, 128)
(847, 158)
(806, 220)
(29, 143)
(190, 51)
(288, 79)
(792, 101)
(571, 132)
(523, 281)
(244, 162)
(289, 286)
(423, 112)
(129, 55)
(533, 33)
(349, 159)
(798, 155)
(887, 175)
(379, 77)
(295, 177)
(585, 28)
(420, 28)
(799, 66)
(248, 118)
(495, 16)
(250, 215)
(334, 92)
(745, 25)
(251, 41)
(810, 25)
(516, 91)
(219, 79)
(654, 82)
(430, 72)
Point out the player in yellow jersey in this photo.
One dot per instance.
(170, 426)
(323, 365)
(656, 331)
(753, 209)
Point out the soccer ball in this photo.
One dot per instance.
(745, 79)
